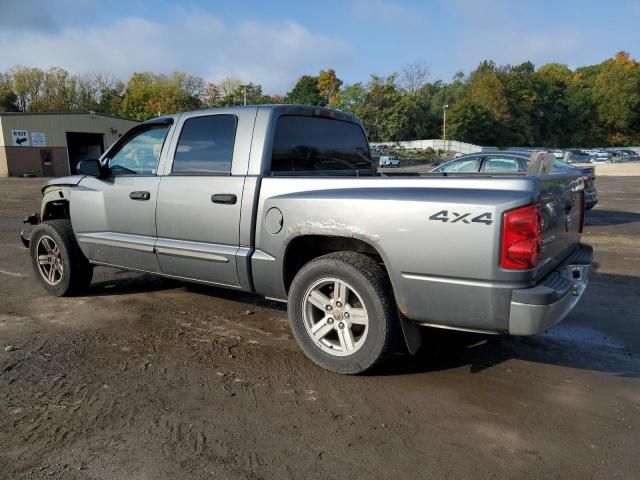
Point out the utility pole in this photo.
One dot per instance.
(444, 121)
(244, 92)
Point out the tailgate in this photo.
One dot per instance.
(561, 208)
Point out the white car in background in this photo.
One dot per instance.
(387, 161)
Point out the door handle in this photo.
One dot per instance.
(140, 195)
(224, 198)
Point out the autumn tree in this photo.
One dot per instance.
(616, 92)
(212, 95)
(328, 86)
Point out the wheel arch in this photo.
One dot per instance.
(304, 248)
(55, 204)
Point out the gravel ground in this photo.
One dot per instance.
(625, 169)
(148, 378)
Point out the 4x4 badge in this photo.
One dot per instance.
(443, 216)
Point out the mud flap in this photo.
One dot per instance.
(25, 237)
(411, 333)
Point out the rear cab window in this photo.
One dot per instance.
(319, 146)
(502, 164)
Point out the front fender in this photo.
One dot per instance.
(53, 195)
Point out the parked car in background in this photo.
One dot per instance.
(388, 161)
(516, 163)
(624, 155)
(559, 154)
(601, 156)
(578, 156)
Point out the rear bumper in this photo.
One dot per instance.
(591, 199)
(534, 310)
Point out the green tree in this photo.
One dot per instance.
(352, 98)
(475, 124)
(305, 92)
(8, 98)
(27, 85)
(110, 93)
(557, 72)
(149, 95)
(137, 96)
(485, 88)
(383, 112)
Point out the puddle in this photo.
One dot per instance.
(582, 334)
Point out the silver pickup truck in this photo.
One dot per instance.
(285, 201)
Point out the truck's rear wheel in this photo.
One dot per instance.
(342, 312)
(57, 260)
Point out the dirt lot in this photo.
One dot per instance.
(146, 378)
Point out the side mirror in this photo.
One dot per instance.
(89, 167)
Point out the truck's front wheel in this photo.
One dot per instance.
(57, 260)
(342, 312)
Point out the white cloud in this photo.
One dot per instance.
(273, 54)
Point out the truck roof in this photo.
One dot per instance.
(282, 109)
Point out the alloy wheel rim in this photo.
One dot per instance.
(49, 260)
(335, 317)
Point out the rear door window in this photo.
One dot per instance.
(319, 145)
(205, 146)
(466, 165)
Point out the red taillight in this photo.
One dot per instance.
(520, 249)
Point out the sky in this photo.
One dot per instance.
(275, 42)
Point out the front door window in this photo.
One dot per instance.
(140, 154)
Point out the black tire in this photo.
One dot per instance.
(76, 269)
(372, 284)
